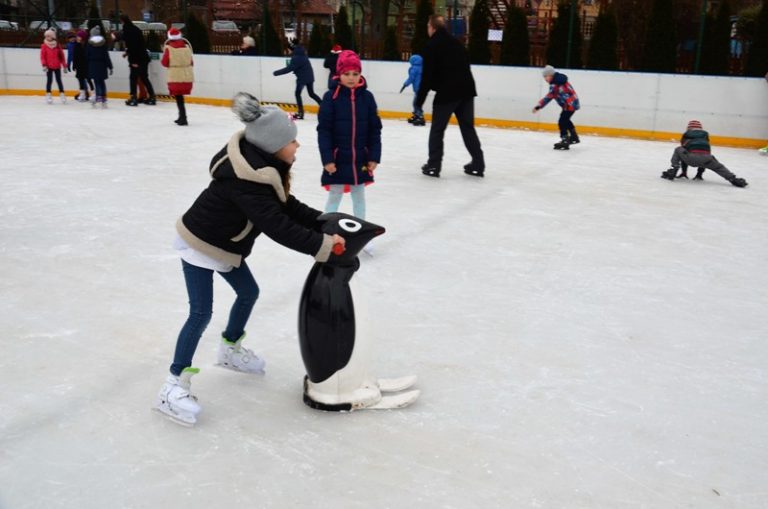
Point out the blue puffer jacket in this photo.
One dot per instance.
(98, 58)
(300, 66)
(414, 72)
(349, 134)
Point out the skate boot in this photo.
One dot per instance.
(573, 139)
(669, 174)
(431, 170)
(563, 144)
(96, 100)
(181, 121)
(104, 102)
(81, 97)
(151, 101)
(699, 173)
(683, 172)
(411, 118)
(232, 355)
(132, 101)
(476, 170)
(738, 182)
(419, 121)
(48, 98)
(63, 97)
(175, 401)
(298, 116)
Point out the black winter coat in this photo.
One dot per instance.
(80, 61)
(135, 45)
(446, 70)
(330, 63)
(244, 199)
(300, 66)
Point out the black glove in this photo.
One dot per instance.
(402, 88)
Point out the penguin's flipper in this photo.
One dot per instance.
(397, 384)
(399, 400)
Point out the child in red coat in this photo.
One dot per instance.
(177, 57)
(53, 61)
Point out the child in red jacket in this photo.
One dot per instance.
(53, 61)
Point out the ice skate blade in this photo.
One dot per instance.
(232, 368)
(400, 400)
(397, 384)
(175, 418)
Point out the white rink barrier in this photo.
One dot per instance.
(653, 106)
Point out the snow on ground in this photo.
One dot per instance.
(587, 335)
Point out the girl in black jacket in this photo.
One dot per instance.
(249, 194)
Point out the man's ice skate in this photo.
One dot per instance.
(563, 144)
(175, 401)
(699, 173)
(474, 169)
(738, 182)
(48, 98)
(236, 357)
(430, 170)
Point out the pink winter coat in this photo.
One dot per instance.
(52, 57)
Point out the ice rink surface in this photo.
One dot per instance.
(587, 335)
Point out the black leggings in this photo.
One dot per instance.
(142, 71)
(49, 80)
(182, 108)
(566, 126)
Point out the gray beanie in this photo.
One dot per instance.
(267, 127)
(548, 71)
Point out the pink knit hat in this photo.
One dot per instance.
(348, 61)
(694, 124)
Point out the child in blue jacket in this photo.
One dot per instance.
(414, 79)
(349, 136)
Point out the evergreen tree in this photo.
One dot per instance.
(315, 48)
(420, 36)
(660, 49)
(343, 36)
(602, 47)
(515, 45)
(557, 49)
(479, 23)
(197, 34)
(270, 40)
(757, 61)
(391, 49)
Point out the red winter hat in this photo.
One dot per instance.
(348, 61)
(336, 48)
(174, 34)
(694, 124)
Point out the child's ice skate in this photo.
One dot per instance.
(81, 97)
(764, 150)
(670, 174)
(103, 102)
(63, 98)
(563, 144)
(175, 401)
(48, 98)
(234, 356)
(738, 182)
(419, 121)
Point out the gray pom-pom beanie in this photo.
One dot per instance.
(548, 71)
(267, 127)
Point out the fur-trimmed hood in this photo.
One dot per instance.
(245, 161)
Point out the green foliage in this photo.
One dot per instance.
(602, 47)
(197, 34)
(479, 23)
(557, 49)
(515, 45)
(757, 61)
(343, 35)
(660, 48)
(420, 36)
(391, 49)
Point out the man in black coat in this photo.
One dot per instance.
(138, 60)
(446, 71)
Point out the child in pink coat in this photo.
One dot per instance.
(53, 61)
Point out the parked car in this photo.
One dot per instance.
(224, 26)
(179, 26)
(6, 25)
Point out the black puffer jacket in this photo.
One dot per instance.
(244, 199)
(135, 45)
(446, 70)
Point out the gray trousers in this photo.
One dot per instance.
(707, 161)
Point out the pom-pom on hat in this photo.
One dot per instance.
(548, 71)
(336, 48)
(174, 34)
(694, 124)
(348, 61)
(267, 127)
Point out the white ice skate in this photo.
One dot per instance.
(236, 357)
(81, 98)
(63, 97)
(49, 98)
(175, 401)
(104, 103)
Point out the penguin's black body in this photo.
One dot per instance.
(327, 312)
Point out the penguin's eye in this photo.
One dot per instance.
(350, 225)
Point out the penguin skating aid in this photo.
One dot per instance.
(334, 345)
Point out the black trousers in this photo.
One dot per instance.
(182, 108)
(49, 80)
(465, 115)
(310, 91)
(142, 71)
(566, 126)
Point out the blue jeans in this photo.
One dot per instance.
(101, 87)
(335, 194)
(200, 290)
(416, 110)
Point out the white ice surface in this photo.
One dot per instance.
(587, 335)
